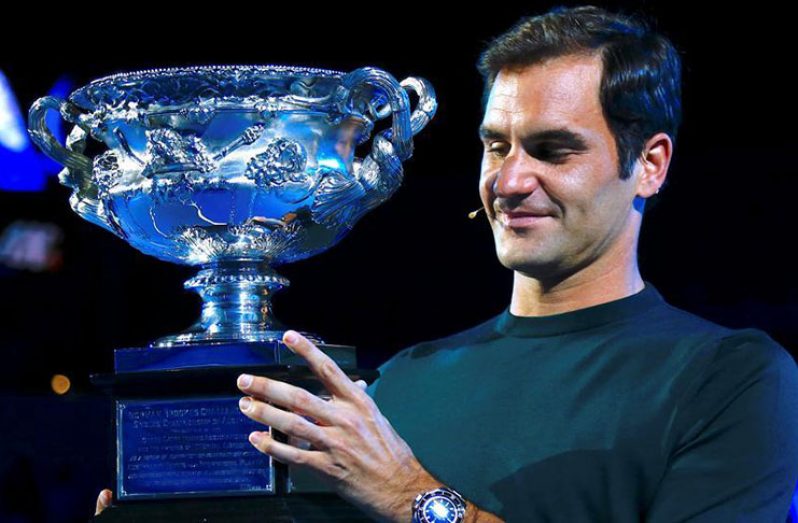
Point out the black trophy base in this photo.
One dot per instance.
(178, 429)
(294, 508)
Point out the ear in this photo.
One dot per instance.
(652, 165)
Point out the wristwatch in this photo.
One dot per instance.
(440, 505)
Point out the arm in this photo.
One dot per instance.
(476, 515)
(425, 481)
(353, 447)
(403, 503)
(481, 516)
(735, 454)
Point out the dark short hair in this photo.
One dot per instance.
(641, 79)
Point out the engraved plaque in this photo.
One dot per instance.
(188, 447)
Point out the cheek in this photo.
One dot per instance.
(483, 189)
(485, 183)
(572, 193)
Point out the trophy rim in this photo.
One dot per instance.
(119, 90)
(157, 72)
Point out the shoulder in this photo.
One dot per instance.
(752, 354)
(480, 333)
(727, 358)
(738, 426)
(747, 372)
(698, 342)
(673, 321)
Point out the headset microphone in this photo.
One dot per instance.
(473, 214)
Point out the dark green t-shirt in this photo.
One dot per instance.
(626, 411)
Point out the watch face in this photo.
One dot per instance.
(440, 510)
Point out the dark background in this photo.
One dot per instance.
(718, 243)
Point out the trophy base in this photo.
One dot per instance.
(182, 452)
(199, 336)
(296, 508)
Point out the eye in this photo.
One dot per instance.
(496, 148)
(554, 155)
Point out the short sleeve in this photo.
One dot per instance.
(736, 452)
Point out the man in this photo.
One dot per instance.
(589, 398)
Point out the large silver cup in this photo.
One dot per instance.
(236, 169)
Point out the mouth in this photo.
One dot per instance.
(515, 220)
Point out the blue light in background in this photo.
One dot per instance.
(22, 166)
(12, 128)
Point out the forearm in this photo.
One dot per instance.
(474, 514)
(403, 502)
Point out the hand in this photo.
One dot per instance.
(106, 495)
(355, 449)
(103, 501)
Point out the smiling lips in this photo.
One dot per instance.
(521, 218)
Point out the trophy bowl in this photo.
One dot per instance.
(235, 169)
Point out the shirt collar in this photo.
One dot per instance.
(580, 319)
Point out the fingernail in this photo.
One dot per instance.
(255, 437)
(290, 337)
(244, 404)
(245, 380)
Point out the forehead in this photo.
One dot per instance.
(559, 92)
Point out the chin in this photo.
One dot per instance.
(531, 265)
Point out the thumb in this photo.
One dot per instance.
(103, 501)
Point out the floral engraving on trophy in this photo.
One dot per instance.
(202, 245)
(281, 169)
(337, 199)
(75, 142)
(267, 108)
(269, 239)
(175, 187)
(123, 143)
(169, 151)
(106, 172)
(201, 113)
(190, 84)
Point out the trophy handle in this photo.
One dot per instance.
(380, 173)
(79, 167)
(427, 103)
(41, 135)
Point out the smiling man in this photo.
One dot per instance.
(589, 398)
(563, 218)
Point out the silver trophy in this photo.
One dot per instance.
(236, 169)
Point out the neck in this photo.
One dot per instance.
(611, 277)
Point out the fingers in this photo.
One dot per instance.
(329, 373)
(288, 423)
(362, 384)
(103, 501)
(285, 453)
(295, 399)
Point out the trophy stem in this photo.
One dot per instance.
(236, 305)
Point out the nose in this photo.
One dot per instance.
(517, 177)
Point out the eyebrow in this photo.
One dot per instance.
(561, 135)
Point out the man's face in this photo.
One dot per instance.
(569, 178)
